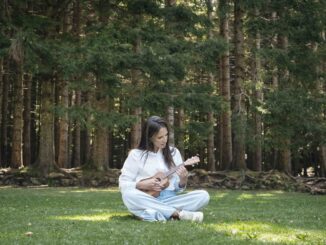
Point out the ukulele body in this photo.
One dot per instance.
(164, 182)
(164, 177)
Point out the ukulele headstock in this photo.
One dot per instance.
(192, 161)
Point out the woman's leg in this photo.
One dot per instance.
(147, 207)
(191, 201)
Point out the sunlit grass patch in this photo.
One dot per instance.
(95, 217)
(85, 190)
(266, 232)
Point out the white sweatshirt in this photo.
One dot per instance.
(140, 165)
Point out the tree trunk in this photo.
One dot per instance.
(286, 157)
(275, 85)
(211, 144)
(211, 166)
(322, 152)
(285, 151)
(257, 79)
(63, 147)
(76, 18)
(321, 87)
(225, 121)
(27, 157)
(100, 154)
(76, 152)
(135, 133)
(70, 133)
(46, 156)
(74, 136)
(181, 134)
(170, 109)
(274, 44)
(17, 134)
(1, 96)
(100, 151)
(170, 121)
(35, 140)
(239, 118)
(85, 147)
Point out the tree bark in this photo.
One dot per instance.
(100, 154)
(85, 148)
(286, 157)
(135, 133)
(63, 147)
(211, 144)
(170, 109)
(322, 151)
(181, 134)
(17, 134)
(46, 156)
(4, 124)
(239, 117)
(76, 151)
(1, 95)
(27, 157)
(274, 44)
(225, 121)
(211, 166)
(257, 79)
(170, 121)
(100, 151)
(35, 139)
(76, 18)
(285, 151)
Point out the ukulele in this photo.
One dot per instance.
(163, 177)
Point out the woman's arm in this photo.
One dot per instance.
(182, 172)
(129, 171)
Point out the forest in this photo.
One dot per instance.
(241, 83)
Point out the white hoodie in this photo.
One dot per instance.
(141, 165)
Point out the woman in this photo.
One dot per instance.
(155, 198)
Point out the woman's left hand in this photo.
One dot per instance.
(183, 175)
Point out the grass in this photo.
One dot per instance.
(98, 216)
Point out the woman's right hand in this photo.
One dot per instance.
(150, 184)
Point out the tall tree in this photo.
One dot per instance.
(77, 135)
(100, 154)
(256, 73)
(76, 31)
(63, 145)
(4, 144)
(17, 150)
(136, 83)
(170, 109)
(1, 93)
(225, 121)
(181, 130)
(46, 156)
(27, 151)
(239, 117)
(210, 116)
(285, 161)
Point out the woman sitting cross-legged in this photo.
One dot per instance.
(154, 175)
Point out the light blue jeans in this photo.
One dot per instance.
(161, 208)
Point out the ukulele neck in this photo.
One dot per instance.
(171, 171)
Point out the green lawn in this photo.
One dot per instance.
(97, 216)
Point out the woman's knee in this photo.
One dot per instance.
(204, 196)
(130, 196)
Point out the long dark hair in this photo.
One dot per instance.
(151, 127)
